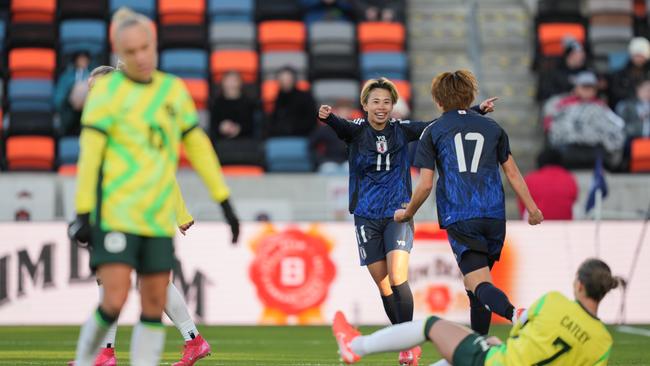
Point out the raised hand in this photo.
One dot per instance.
(324, 111)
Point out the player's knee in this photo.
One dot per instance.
(153, 302)
(397, 276)
(113, 302)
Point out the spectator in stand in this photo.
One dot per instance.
(318, 10)
(233, 113)
(330, 152)
(552, 187)
(636, 114)
(70, 93)
(581, 119)
(558, 80)
(379, 10)
(295, 110)
(622, 83)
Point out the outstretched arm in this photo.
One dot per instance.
(521, 189)
(344, 129)
(422, 191)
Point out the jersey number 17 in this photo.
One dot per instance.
(460, 152)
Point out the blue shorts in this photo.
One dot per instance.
(483, 236)
(377, 237)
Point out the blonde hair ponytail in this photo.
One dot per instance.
(124, 18)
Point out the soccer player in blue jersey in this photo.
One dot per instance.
(467, 150)
(380, 183)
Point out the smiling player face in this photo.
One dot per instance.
(379, 107)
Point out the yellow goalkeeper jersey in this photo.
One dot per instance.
(140, 126)
(557, 331)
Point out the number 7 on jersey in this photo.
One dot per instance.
(460, 152)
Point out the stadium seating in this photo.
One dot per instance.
(30, 153)
(334, 66)
(233, 36)
(230, 10)
(181, 12)
(617, 60)
(274, 61)
(68, 150)
(562, 7)
(392, 65)
(277, 9)
(281, 35)
(551, 36)
(30, 123)
(146, 7)
(32, 63)
(81, 9)
(381, 36)
(243, 61)
(640, 155)
(33, 11)
(403, 89)
(198, 89)
(29, 95)
(242, 171)
(3, 32)
(82, 35)
(288, 154)
(240, 151)
(182, 35)
(331, 38)
(31, 35)
(333, 90)
(185, 63)
(270, 89)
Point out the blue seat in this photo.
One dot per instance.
(288, 154)
(145, 7)
(230, 10)
(3, 28)
(393, 65)
(618, 60)
(82, 35)
(30, 95)
(68, 150)
(185, 62)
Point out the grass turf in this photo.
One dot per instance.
(251, 346)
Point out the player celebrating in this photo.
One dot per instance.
(468, 148)
(554, 330)
(133, 123)
(380, 183)
(196, 347)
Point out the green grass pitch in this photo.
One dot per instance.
(251, 346)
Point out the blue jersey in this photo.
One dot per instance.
(380, 177)
(467, 148)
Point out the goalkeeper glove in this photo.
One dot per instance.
(79, 230)
(232, 219)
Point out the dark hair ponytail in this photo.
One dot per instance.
(596, 276)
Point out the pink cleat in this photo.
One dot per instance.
(410, 357)
(105, 357)
(193, 351)
(344, 334)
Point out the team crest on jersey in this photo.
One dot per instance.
(170, 111)
(382, 144)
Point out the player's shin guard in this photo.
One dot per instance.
(494, 299)
(390, 307)
(479, 315)
(394, 338)
(147, 342)
(404, 299)
(176, 310)
(91, 335)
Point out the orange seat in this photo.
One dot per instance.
(32, 63)
(551, 36)
(68, 170)
(33, 11)
(281, 35)
(381, 36)
(640, 155)
(198, 89)
(243, 61)
(181, 11)
(270, 89)
(242, 170)
(30, 153)
(403, 89)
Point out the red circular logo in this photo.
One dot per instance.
(292, 271)
(438, 298)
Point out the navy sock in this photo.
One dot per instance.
(404, 301)
(390, 307)
(495, 299)
(480, 316)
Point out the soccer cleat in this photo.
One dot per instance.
(344, 334)
(193, 351)
(520, 315)
(105, 357)
(410, 357)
